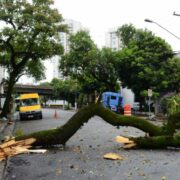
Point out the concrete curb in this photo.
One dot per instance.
(6, 129)
(3, 125)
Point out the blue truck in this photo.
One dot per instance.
(113, 101)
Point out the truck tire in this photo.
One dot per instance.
(21, 118)
(40, 116)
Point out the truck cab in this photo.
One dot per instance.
(113, 101)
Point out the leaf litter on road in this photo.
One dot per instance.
(113, 156)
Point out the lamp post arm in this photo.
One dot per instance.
(167, 30)
(175, 14)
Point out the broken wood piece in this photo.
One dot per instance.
(2, 158)
(129, 146)
(8, 150)
(37, 150)
(2, 154)
(8, 143)
(121, 139)
(8, 138)
(112, 156)
(15, 143)
(12, 147)
(20, 150)
(25, 142)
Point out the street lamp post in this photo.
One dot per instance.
(150, 21)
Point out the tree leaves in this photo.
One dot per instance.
(29, 36)
(93, 68)
(143, 62)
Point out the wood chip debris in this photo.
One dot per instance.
(112, 156)
(127, 143)
(12, 148)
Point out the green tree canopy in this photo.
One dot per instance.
(29, 35)
(146, 61)
(93, 68)
(65, 89)
(126, 33)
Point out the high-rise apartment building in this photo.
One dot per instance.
(112, 40)
(73, 27)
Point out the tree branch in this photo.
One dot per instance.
(10, 22)
(64, 133)
(10, 47)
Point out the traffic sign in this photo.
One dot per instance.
(149, 92)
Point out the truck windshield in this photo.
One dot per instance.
(29, 102)
(113, 97)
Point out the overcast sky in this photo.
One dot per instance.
(100, 15)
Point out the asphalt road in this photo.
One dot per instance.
(83, 159)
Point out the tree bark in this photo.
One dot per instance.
(6, 108)
(120, 120)
(157, 142)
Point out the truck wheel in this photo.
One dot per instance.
(40, 116)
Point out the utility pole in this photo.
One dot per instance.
(149, 95)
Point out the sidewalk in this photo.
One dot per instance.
(6, 129)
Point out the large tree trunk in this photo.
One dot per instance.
(62, 134)
(8, 102)
(159, 137)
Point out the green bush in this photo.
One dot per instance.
(171, 105)
(19, 132)
(67, 107)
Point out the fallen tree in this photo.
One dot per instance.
(159, 137)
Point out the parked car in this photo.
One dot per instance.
(136, 106)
